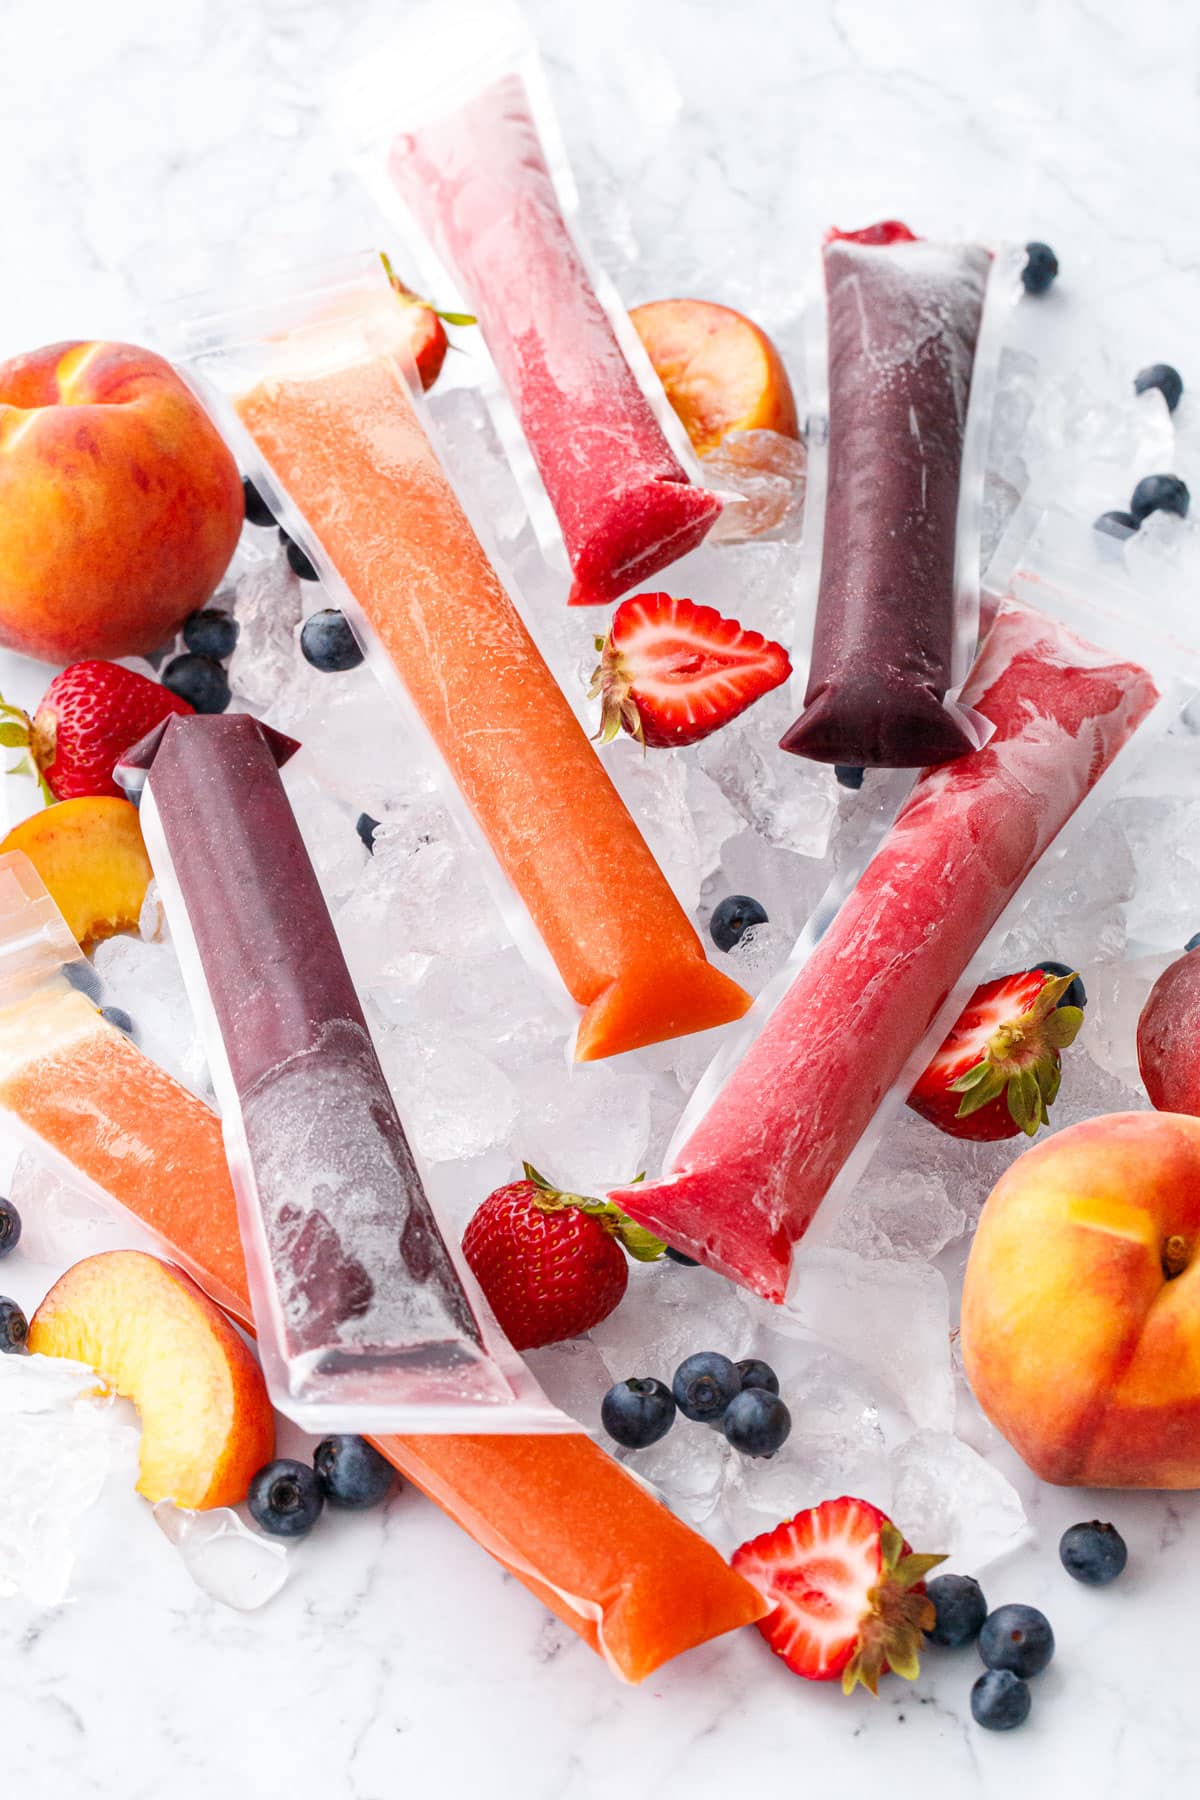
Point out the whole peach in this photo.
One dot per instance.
(1168, 1037)
(120, 504)
(1081, 1307)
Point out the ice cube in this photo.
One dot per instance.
(670, 1312)
(152, 919)
(226, 1560)
(767, 472)
(687, 1468)
(759, 953)
(786, 886)
(891, 1319)
(653, 785)
(454, 1102)
(946, 1498)
(61, 1442)
(267, 604)
(61, 1223)
(1117, 992)
(471, 450)
(143, 979)
(583, 1124)
(574, 1376)
(906, 1214)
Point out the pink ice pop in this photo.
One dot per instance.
(478, 182)
(747, 1183)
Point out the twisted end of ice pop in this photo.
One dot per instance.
(636, 530)
(651, 1002)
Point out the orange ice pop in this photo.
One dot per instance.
(340, 437)
(586, 1538)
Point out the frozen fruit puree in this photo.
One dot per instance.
(904, 318)
(746, 1183)
(341, 438)
(479, 184)
(357, 1301)
(586, 1538)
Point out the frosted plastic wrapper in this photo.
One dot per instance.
(904, 349)
(452, 127)
(787, 1117)
(366, 1319)
(314, 384)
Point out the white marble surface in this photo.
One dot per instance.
(152, 148)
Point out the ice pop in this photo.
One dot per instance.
(748, 1180)
(585, 1537)
(334, 422)
(362, 1316)
(478, 182)
(904, 318)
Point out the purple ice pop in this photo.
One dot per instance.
(904, 317)
(353, 1288)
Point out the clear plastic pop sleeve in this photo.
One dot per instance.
(452, 127)
(366, 1319)
(314, 383)
(1077, 673)
(904, 348)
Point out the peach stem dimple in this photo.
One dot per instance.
(1175, 1256)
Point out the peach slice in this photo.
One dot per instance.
(721, 372)
(91, 856)
(207, 1424)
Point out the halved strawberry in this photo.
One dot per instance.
(999, 1070)
(849, 1593)
(426, 331)
(672, 672)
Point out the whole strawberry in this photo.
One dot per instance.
(551, 1264)
(86, 719)
(998, 1072)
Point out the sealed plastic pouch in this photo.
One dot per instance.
(314, 383)
(783, 1124)
(452, 127)
(905, 350)
(366, 1319)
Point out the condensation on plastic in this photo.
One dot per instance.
(1003, 288)
(526, 1410)
(224, 354)
(1059, 565)
(439, 60)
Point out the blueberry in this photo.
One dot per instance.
(14, 1327)
(327, 642)
(83, 976)
(1000, 1700)
(1116, 524)
(637, 1412)
(756, 1422)
(286, 1498)
(211, 632)
(1167, 380)
(960, 1610)
(677, 1256)
(732, 918)
(1193, 942)
(848, 776)
(1017, 1638)
(301, 563)
(754, 1373)
(257, 510)
(1094, 1553)
(116, 1015)
(10, 1227)
(1041, 266)
(1160, 493)
(704, 1385)
(352, 1473)
(199, 680)
(1076, 994)
(366, 828)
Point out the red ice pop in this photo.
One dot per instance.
(478, 182)
(747, 1182)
